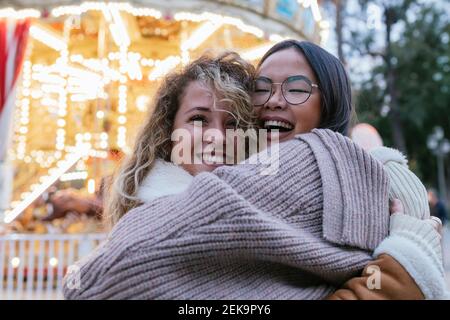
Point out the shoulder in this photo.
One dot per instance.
(325, 137)
(352, 181)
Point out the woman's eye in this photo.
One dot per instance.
(231, 124)
(262, 90)
(198, 118)
(298, 91)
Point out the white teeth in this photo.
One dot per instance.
(213, 159)
(278, 124)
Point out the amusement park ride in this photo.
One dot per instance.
(90, 69)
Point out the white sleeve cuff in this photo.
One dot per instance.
(416, 245)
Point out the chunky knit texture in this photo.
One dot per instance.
(237, 234)
(404, 184)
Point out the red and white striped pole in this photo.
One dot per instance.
(13, 40)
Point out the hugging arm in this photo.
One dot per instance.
(408, 265)
(409, 260)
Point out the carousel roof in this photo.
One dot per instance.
(288, 18)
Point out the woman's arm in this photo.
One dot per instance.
(408, 264)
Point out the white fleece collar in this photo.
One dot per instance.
(385, 154)
(164, 179)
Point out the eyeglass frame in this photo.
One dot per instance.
(313, 85)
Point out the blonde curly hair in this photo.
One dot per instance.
(227, 74)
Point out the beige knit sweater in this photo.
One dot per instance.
(237, 234)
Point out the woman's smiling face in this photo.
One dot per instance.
(277, 113)
(205, 120)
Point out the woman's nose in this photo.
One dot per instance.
(216, 134)
(276, 100)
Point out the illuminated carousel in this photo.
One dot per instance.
(88, 72)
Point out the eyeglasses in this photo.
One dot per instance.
(296, 90)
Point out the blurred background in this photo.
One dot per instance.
(76, 79)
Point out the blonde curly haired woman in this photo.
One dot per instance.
(211, 92)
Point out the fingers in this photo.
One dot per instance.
(436, 223)
(396, 206)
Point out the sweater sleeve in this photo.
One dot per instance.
(416, 245)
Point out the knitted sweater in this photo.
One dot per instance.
(237, 234)
(412, 241)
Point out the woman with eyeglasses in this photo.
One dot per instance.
(299, 87)
(301, 233)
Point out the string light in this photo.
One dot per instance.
(19, 14)
(116, 25)
(103, 144)
(81, 84)
(142, 102)
(48, 38)
(62, 103)
(78, 175)
(122, 107)
(121, 136)
(207, 16)
(99, 6)
(98, 154)
(91, 186)
(55, 174)
(122, 119)
(48, 102)
(100, 114)
(15, 262)
(99, 66)
(133, 67)
(200, 35)
(122, 99)
(147, 62)
(44, 159)
(163, 67)
(45, 77)
(24, 104)
(53, 262)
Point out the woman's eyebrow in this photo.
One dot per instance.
(263, 78)
(205, 109)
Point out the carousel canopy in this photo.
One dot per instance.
(289, 18)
